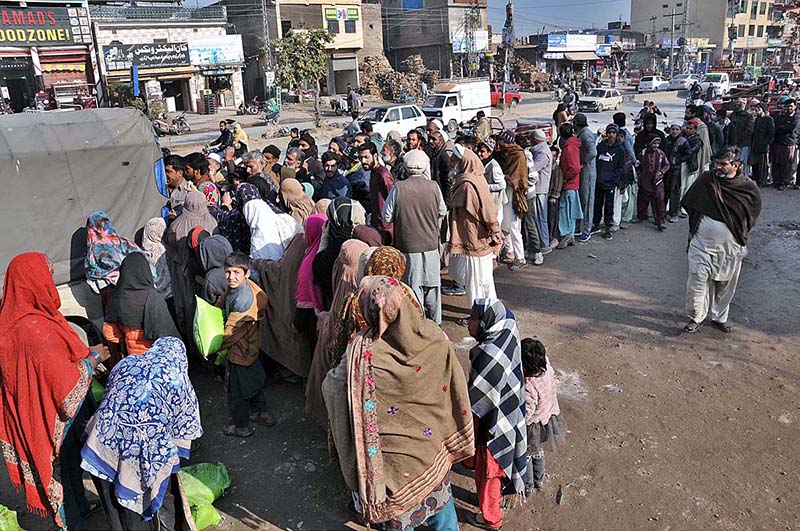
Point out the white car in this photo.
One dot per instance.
(683, 81)
(785, 75)
(720, 80)
(653, 84)
(402, 118)
(600, 99)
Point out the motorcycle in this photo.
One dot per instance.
(256, 107)
(180, 124)
(5, 108)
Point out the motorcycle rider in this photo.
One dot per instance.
(224, 139)
(695, 92)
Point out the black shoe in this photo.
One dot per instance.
(608, 235)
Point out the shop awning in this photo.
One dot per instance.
(64, 67)
(580, 56)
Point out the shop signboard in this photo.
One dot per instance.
(556, 43)
(341, 13)
(223, 49)
(50, 26)
(460, 44)
(603, 50)
(154, 55)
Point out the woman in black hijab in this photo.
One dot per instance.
(137, 314)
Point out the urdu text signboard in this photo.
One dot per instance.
(155, 55)
(52, 26)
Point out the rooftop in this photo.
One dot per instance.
(161, 13)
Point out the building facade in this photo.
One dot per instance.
(343, 18)
(434, 29)
(186, 50)
(46, 49)
(716, 24)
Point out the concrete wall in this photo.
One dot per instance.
(708, 17)
(109, 32)
(373, 30)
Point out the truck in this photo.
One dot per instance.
(456, 101)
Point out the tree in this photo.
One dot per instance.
(302, 57)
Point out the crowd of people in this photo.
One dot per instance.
(330, 266)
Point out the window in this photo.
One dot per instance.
(393, 116)
(333, 26)
(762, 9)
(160, 41)
(741, 31)
(349, 26)
(452, 101)
(743, 6)
(760, 31)
(751, 31)
(754, 10)
(286, 27)
(408, 113)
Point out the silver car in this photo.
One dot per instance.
(683, 81)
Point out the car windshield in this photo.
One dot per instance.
(713, 78)
(375, 114)
(435, 101)
(681, 77)
(647, 79)
(597, 93)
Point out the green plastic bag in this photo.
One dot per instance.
(209, 327)
(8, 520)
(205, 515)
(203, 483)
(97, 391)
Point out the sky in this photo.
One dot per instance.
(531, 15)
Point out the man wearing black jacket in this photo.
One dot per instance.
(740, 132)
(678, 152)
(787, 125)
(763, 135)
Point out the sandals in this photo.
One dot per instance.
(242, 433)
(478, 521)
(264, 418)
(691, 327)
(722, 327)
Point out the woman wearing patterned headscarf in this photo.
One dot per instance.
(395, 450)
(344, 215)
(133, 479)
(230, 219)
(105, 251)
(497, 394)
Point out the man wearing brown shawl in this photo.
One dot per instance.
(515, 168)
(723, 206)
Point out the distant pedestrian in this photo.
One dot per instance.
(653, 165)
(763, 136)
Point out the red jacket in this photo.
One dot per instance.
(571, 163)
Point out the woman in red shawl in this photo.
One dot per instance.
(45, 373)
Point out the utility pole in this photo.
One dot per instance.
(508, 47)
(671, 16)
(684, 25)
(653, 44)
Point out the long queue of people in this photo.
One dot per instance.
(329, 266)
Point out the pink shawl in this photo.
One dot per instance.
(308, 294)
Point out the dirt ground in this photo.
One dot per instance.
(667, 431)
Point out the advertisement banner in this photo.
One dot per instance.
(155, 55)
(342, 13)
(460, 41)
(556, 43)
(52, 26)
(603, 50)
(223, 49)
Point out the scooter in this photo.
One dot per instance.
(180, 124)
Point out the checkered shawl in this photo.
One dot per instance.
(497, 390)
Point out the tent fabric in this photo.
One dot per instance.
(580, 56)
(56, 167)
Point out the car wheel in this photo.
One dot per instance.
(599, 107)
(616, 107)
(514, 102)
(452, 126)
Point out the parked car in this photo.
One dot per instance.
(653, 84)
(513, 97)
(683, 81)
(600, 99)
(402, 118)
(720, 80)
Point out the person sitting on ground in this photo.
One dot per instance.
(497, 394)
(335, 183)
(543, 418)
(244, 305)
(137, 314)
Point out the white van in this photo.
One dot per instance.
(720, 80)
(455, 101)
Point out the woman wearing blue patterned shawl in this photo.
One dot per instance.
(497, 394)
(143, 427)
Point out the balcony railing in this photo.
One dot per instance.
(163, 13)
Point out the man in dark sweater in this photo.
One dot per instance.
(380, 183)
(787, 124)
(678, 152)
(416, 208)
(740, 132)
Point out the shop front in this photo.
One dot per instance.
(219, 61)
(45, 55)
